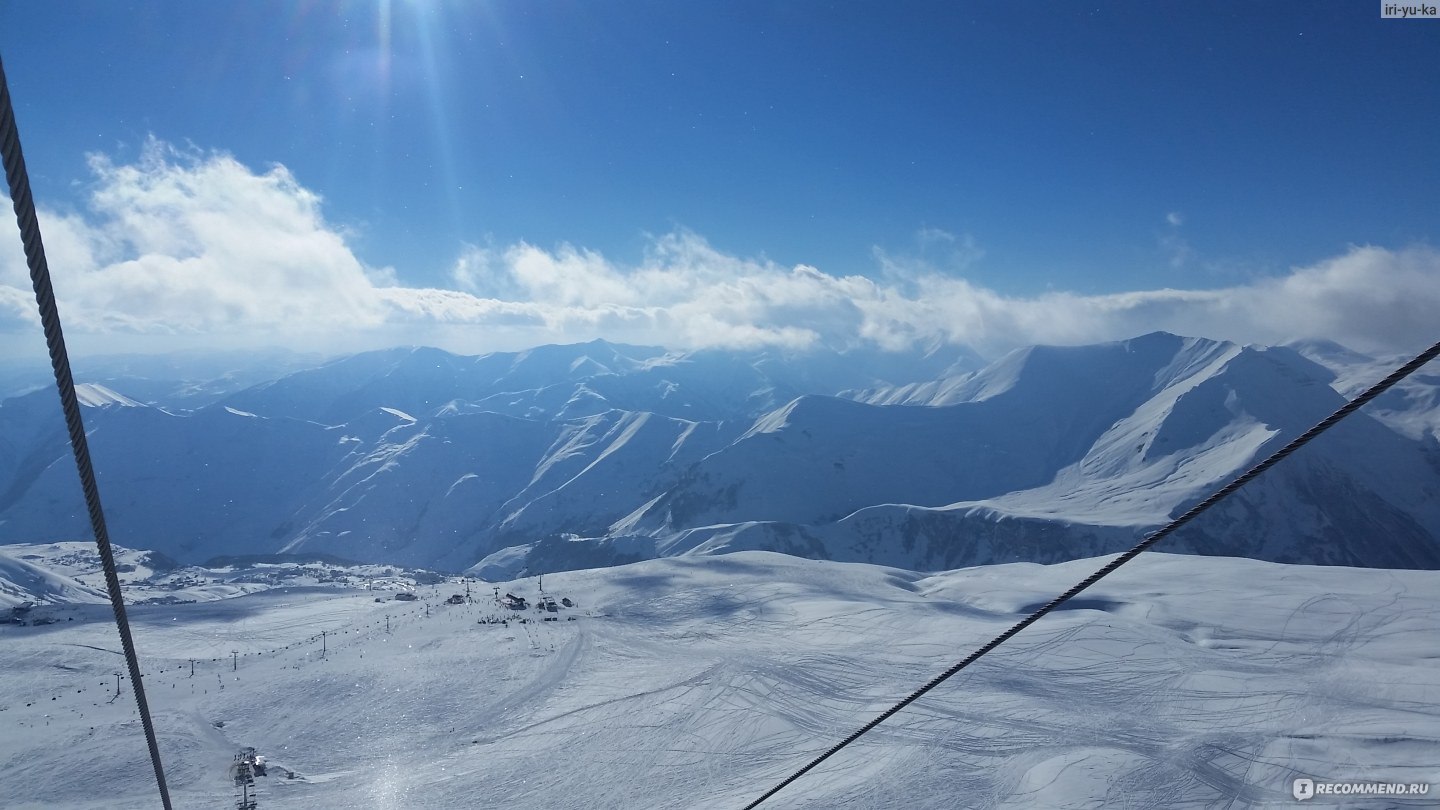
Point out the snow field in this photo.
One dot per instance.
(699, 682)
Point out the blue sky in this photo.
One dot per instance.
(1020, 151)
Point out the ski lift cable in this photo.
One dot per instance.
(1219, 495)
(24, 203)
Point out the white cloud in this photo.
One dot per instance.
(196, 245)
(1175, 247)
(937, 250)
(1177, 250)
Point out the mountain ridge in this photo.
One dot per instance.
(417, 457)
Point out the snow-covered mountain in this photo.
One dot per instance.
(27, 582)
(1052, 453)
(559, 382)
(1412, 407)
(597, 453)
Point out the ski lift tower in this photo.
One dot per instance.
(244, 772)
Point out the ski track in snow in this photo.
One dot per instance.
(1178, 682)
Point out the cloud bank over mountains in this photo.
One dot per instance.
(199, 246)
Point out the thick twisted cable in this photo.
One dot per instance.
(1224, 492)
(24, 204)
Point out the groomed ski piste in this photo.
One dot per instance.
(699, 682)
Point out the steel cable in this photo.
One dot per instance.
(24, 203)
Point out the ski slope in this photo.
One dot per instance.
(699, 682)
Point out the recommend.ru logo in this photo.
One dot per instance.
(1306, 788)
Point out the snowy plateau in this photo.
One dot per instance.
(278, 515)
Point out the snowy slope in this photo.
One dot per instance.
(191, 486)
(698, 683)
(422, 492)
(589, 477)
(1019, 423)
(1052, 453)
(22, 581)
(94, 395)
(1412, 407)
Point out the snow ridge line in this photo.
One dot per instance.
(1219, 495)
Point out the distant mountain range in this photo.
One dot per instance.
(595, 454)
